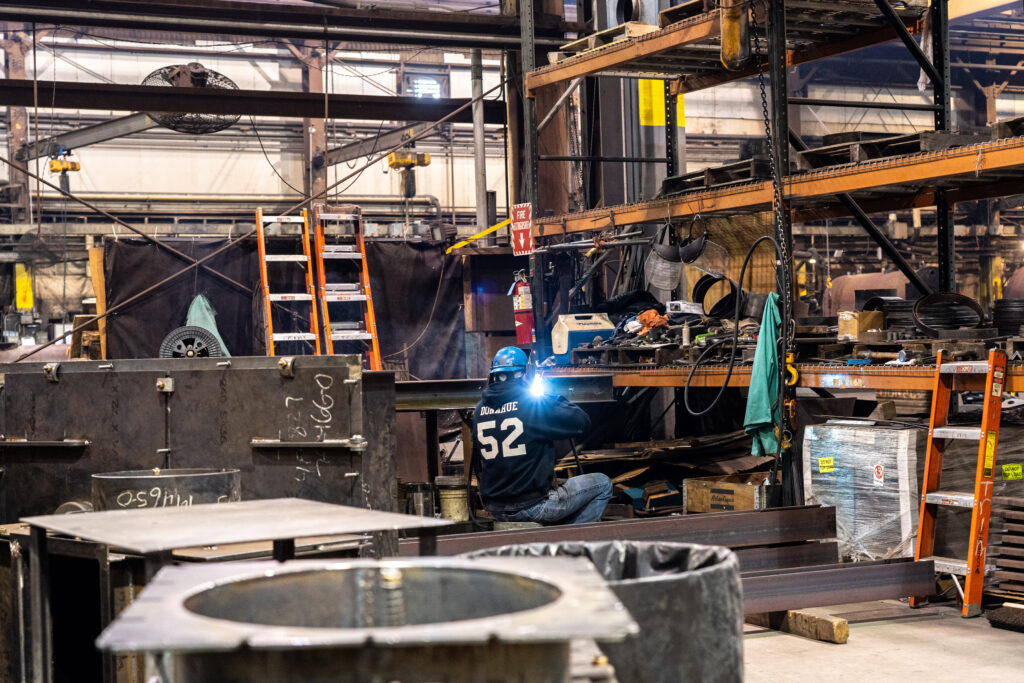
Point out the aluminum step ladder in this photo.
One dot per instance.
(286, 300)
(979, 500)
(351, 300)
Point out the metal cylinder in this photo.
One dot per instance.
(476, 72)
(422, 619)
(735, 34)
(420, 497)
(165, 488)
(452, 499)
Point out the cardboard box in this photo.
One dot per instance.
(854, 324)
(731, 492)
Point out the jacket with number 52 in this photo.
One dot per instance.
(513, 449)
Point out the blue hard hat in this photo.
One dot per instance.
(509, 359)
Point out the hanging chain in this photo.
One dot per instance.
(777, 207)
(784, 269)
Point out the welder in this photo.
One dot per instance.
(514, 431)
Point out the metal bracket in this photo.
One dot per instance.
(356, 442)
(50, 370)
(286, 366)
(165, 385)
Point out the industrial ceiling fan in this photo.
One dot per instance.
(191, 75)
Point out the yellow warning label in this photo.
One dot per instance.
(651, 95)
(826, 465)
(1011, 472)
(23, 298)
(990, 453)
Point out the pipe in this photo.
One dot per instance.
(476, 74)
(735, 50)
(381, 199)
(153, 22)
(558, 104)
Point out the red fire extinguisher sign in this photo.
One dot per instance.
(522, 240)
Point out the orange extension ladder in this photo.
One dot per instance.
(304, 260)
(351, 247)
(979, 500)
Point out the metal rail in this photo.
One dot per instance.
(149, 98)
(690, 46)
(836, 584)
(916, 378)
(963, 169)
(450, 394)
(731, 529)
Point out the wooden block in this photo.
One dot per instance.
(885, 410)
(817, 625)
(813, 624)
(99, 286)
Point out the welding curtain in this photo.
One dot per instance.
(417, 293)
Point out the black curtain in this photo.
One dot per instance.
(132, 265)
(417, 296)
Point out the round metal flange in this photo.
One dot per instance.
(949, 300)
(190, 342)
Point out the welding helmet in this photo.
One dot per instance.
(692, 247)
(509, 359)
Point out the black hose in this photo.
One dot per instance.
(576, 455)
(735, 335)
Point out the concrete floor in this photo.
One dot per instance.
(934, 644)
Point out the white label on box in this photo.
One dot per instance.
(879, 476)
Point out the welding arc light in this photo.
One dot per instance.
(538, 387)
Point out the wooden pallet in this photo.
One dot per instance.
(864, 148)
(740, 171)
(684, 10)
(631, 29)
(1010, 128)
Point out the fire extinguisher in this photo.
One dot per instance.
(522, 306)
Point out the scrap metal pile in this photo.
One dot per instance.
(648, 332)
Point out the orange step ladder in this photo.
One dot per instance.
(270, 299)
(979, 500)
(351, 247)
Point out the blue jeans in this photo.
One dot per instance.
(581, 499)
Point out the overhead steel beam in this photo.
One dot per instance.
(88, 135)
(106, 96)
(451, 394)
(776, 590)
(731, 529)
(286, 20)
(374, 144)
